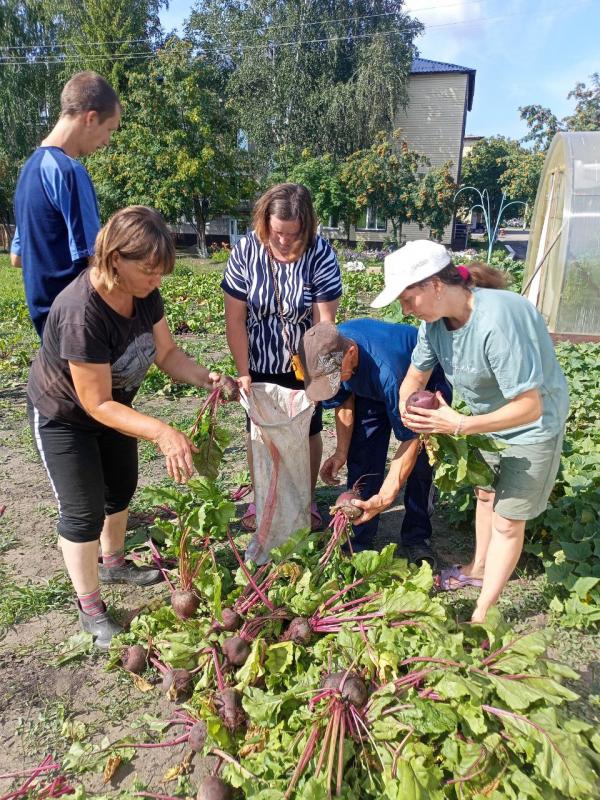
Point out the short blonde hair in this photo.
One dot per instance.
(288, 201)
(138, 233)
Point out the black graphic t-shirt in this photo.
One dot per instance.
(82, 327)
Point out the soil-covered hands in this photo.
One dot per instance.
(177, 450)
(371, 508)
(423, 420)
(330, 468)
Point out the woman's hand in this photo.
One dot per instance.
(331, 467)
(441, 420)
(177, 450)
(245, 383)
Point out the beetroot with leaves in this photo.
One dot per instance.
(298, 631)
(232, 621)
(185, 604)
(230, 390)
(228, 703)
(197, 736)
(184, 600)
(350, 685)
(236, 650)
(423, 399)
(133, 659)
(177, 684)
(213, 788)
(344, 504)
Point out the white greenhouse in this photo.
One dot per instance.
(562, 273)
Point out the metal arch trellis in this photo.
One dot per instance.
(484, 205)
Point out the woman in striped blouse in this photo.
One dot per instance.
(280, 280)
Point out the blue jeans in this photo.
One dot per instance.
(367, 461)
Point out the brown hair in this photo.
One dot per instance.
(479, 274)
(288, 201)
(88, 91)
(138, 233)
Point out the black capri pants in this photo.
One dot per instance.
(93, 473)
(289, 381)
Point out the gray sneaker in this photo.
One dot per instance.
(129, 573)
(420, 552)
(101, 626)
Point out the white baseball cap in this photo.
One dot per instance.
(412, 263)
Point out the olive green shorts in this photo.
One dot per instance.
(525, 475)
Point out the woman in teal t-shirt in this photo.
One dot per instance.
(496, 351)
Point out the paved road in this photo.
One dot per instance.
(517, 239)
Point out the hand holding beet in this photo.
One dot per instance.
(422, 415)
(367, 509)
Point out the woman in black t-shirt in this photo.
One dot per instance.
(103, 333)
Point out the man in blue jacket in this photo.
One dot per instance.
(56, 209)
(357, 368)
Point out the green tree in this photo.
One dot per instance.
(177, 147)
(543, 124)
(29, 88)
(386, 177)
(483, 168)
(521, 177)
(586, 116)
(321, 176)
(323, 76)
(111, 37)
(434, 202)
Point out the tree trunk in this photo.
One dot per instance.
(397, 226)
(200, 227)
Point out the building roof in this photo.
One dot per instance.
(424, 65)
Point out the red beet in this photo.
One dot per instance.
(236, 650)
(231, 621)
(423, 399)
(299, 631)
(353, 690)
(134, 659)
(229, 388)
(177, 684)
(197, 736)
(213, 788)
(185, 604)
(228, 703)
(344, 504)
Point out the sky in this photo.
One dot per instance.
(525, 52)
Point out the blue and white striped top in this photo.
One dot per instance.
(314, 278)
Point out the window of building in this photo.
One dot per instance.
(371, 220)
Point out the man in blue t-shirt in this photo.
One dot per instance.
(56, 209)
(357, 368)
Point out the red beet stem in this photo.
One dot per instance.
(157, 559)
(218, 671)
(247, 575)
(179, 740)
(159, 665)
